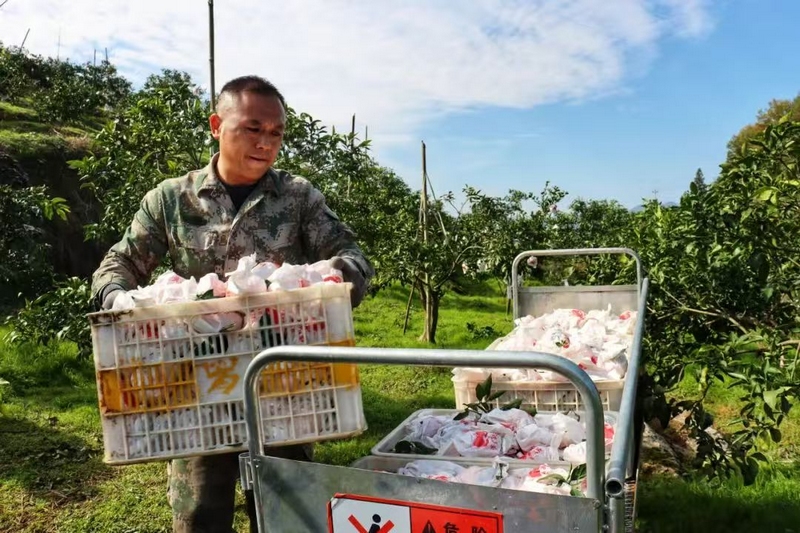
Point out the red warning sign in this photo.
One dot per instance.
(448, 520)
(351, 513)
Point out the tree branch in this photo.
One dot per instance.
(718, 315)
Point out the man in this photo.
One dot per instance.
(205, 221)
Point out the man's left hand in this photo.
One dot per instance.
(352, 274)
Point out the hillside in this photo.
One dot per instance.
(36, 152)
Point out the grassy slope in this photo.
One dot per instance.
(52, 477)
(23, 134)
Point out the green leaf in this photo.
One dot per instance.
(758, 456)
(765, 194)
(750, 471)
(495, 395)
(558, 478)
(775, 434)
(483, 389)
(462, 415)
(771, 396)
(413, 447)
(514, 404)
(578, 473)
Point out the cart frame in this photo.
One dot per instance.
(623, 468)
(525, 296)
(292, 492)
(294, 495)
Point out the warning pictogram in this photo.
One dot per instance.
(376, 526)
(359, 516)
(364, 514)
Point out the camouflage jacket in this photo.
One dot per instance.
(193, 220)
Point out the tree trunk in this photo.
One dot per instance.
(430, 300)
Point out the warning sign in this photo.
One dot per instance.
(348, 513)
(452, 521)
(360, 516)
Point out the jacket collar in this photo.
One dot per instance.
(209, 180)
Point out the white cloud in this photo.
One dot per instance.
(395, 63)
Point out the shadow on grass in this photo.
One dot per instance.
(47, 456)
(49, 462)
(670, 505)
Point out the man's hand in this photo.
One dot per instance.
(352, 274)
(110, 293)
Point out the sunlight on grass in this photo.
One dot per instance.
(52, 477)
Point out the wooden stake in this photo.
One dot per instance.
(352, 146)
(408, 307)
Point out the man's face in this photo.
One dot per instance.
(249, 128)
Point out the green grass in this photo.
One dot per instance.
(52, 477)
(23, 135)
(9, 111)
(725, 403)
(34, 145)
(771, 505)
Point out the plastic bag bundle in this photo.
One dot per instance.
(482, 440)
(540, 479)
(512, 419)
(289, 277)
(243, 281)
(211, 286)
(597, 341)
(487, 476)
(511, 433)
(168, 288)
(249, 278)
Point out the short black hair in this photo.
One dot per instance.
(252, 84)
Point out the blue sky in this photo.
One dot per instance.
(611, 99)
(664, 123)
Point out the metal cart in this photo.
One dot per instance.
(299, 497)
(624, 466)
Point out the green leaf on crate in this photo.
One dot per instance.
(482, 390)
(495, 395)
(515, 404)
(462, 415)
(578, 473)
(530, 410)
(575, 492)
(558, 478)
(208, 295)
(412, 447)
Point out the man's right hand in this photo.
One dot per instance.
(110, 294)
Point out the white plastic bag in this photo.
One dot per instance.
(432, 469)
(511, 419)
(210, 283)
(243, 281)
(571, 430)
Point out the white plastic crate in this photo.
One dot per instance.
(542, 395)
(170, 386)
